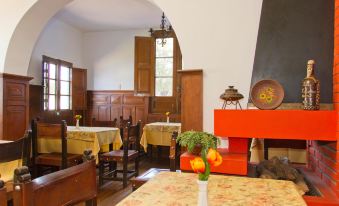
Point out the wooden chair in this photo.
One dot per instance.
(65, 187)
(123, 122)
(123, 156)
(56, 160)
(19, 149)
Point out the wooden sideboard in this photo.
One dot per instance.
(108, 105)
(14, 109)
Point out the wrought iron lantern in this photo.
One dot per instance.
(165, 29)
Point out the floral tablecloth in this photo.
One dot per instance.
(181, 189)
(7, 168)
(159, 133)
(78, 140)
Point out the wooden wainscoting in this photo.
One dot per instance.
(110, 104)
(161, 117)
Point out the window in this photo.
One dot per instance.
(164, 58)
(57, 80)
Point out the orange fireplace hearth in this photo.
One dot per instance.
(319, 128)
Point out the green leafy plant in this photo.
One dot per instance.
(190, 139)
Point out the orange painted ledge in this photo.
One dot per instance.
(235, 164)
(276, 124)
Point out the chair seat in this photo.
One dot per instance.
(117, 155)
(54, 159)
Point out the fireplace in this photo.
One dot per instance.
(321, 171)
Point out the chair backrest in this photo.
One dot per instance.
(96, 123)
(50, 131)
(174, 152)
(123, 122)
(131, 132)
(65, 187)
(19, 149)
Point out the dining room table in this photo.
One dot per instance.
(82, 138)
(173, 188)
(159, 133)
(7, 168)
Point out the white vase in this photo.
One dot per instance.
(77, 125)
(167, 119)
(202, 194)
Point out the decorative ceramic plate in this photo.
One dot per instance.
(267, 94)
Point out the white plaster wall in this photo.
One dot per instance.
(218, 36)
(11, 11)
(58, 40)
(109, 57)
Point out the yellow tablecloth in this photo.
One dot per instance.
(78, 140)
(7, 168)
(172, 188)
(159, 133)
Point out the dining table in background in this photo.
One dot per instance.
(159, 133)
(7, 168)
(83, 138)
(173, 188)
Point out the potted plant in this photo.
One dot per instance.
(196, 141)
(201, 164)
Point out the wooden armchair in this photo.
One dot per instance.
(65, 187)
(123, 122)
(123, 156)
(11, 151)
(60, 160)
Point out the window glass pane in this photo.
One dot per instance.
(64, 88)
(45, 102)
(64, 73)
(166, 50)
(64, 102)
(52, 87)
(45, 86)
(52, 71)
(164, 67)
(163, 87)
(51, 102)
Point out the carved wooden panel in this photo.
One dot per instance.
(134, 100)
(116, 99)
(15, 122)
(15, 91)
(121, 103)
(104, 113)
(116, 112)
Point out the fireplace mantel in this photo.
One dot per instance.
(276, 124)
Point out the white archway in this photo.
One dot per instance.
(219, 37)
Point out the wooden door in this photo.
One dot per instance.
(79, 89)
(144, 65)
(191, 100)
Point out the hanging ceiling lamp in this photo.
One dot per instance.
(164, 30)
